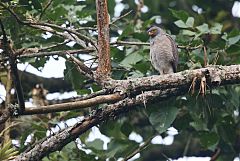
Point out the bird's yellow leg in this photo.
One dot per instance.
(192, 87)
(203, 86)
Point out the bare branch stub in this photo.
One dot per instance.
(104, 64)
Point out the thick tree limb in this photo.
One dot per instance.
(154, 87)
(215, 76)
(104, 62)
(228, 75)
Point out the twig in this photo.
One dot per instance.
(30, 53)
(14, 71)
(216, 154)
(11, 12)
(147, 44)
(45, 8)
(8, 128)
(187, 145)
(190, 47)
(62, 34)
(53, 46)
(82, 68)
(129, 43)
(62, 53)
(166, 157)
(139, 149)
(118, 18)
(205, 56)
(98, 93)
(86, 28)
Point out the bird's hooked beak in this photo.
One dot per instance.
(150, 33)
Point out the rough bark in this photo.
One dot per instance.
(104, 62)
(215, 76)
(172, 84)
(228, 75)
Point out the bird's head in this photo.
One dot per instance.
(153, 31)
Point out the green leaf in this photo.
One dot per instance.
(180, 24)
(119, 148)
(226, 129)
(72, 75)
(188, 33)
(182, 15)
(190, 22)
(216, 29)
(233, 40)
(162, 117)
(203, 28)
(126, 129)
(128, 30)
(131, 59)
(115, 146)
(112, 129)
(96, 144)
(6, 151)
(208, 139)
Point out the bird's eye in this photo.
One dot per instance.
(154, 31)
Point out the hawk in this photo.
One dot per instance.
(163, 51)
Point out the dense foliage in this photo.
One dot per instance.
(206, 33)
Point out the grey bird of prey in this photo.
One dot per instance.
(163, 51)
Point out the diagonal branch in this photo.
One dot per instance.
(58, 141)
(82, 68)
(7, 47)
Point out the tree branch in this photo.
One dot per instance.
(215, 76)
(74, 105)
(77, 37)
(104, 62)
(139, 149)
(147, 44)
(8, 50)
(228, 75)
(82, 68)
(152, 88)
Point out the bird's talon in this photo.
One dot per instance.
(203, 86)
(192, 86)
